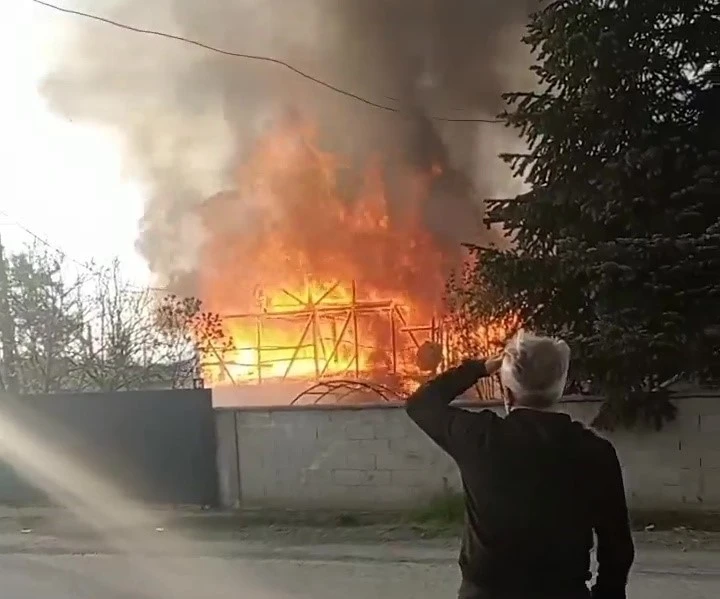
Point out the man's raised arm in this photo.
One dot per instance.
(430, 406)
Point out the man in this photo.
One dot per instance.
(536, 484)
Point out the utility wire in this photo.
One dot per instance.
(64, 254)
(254, 57)
(46, 243)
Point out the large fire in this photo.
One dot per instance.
(318, 272)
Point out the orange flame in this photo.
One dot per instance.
(283, 253)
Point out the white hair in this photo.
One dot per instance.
(535, 368)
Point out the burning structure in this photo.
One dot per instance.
(336, 278)
(321, 228)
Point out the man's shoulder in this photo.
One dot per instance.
(594, 441)
(483, 418)
(489, 415)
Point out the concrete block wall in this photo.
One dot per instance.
(340, 458)
(376, 458)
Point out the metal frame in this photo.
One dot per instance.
(340, 389)
(319, 314)
(315, 315)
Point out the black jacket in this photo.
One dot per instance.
(536, 486)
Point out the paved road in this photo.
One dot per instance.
(43, 576)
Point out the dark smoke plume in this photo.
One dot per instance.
(185, 115)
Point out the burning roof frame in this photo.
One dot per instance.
(352, 377)
(311, 310)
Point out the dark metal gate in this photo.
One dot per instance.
(154, 446)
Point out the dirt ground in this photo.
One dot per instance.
(25, 528)
(49, 554)
(681, 538)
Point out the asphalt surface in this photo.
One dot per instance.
(53, 556)
(353, 573)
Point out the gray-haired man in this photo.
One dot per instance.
(536, 484)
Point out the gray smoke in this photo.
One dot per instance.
(185, 115)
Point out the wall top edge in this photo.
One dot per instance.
(570, 399)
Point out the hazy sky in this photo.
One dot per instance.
(62, 180)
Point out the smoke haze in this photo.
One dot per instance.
(185, 115)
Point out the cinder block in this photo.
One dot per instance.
(347, 417)
(710, 423)
(374, 446)
(288, 476)
(687, 421)
(360, 431)
(666, 440)
(290, 418)
(254, 419)
(691, 457)
(711, 487)
(379, 477)
(364, 497)
(706, 406)
(396, 460)
(330, 456)
(640, 498)
(392, 429)
(419, 444)
(350, 478)
(294, 440)
(665, 491)
(703, 441)
(314, 478)
(323, 421)
(691, 483)
(247, 460)
(419, 478)
(357, 459)
(276, 456)
(710, 459)
(652, 477)
(648, 460)
(394, 497)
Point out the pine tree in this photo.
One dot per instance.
(617, 246)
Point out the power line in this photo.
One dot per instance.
(254, 57)
(45, 242)
(64, 254)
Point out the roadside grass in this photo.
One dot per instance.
(439, 517)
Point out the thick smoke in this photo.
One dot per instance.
(185, 114)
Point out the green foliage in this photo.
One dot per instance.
(617, 245)
(47, 320)
(444, 510)
(637, 409)
(184, 317)
(94, 331)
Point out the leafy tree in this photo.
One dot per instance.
(124, 346)
(617, 246)
(96, 332)
(45, 306)
(183, 325)
(115, 344)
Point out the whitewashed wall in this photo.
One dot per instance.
(376, 458)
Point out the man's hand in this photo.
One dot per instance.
(492, 365)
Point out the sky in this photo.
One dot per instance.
(61, 180)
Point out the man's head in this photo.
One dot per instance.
(534, 371)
